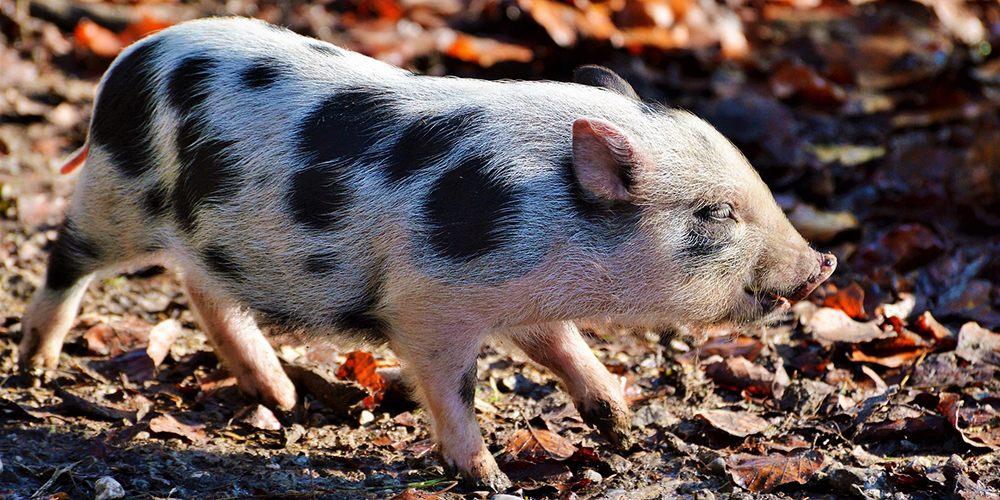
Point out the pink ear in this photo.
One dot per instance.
(602, 159)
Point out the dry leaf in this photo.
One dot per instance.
(360, 367)
(979, 424)
(258, 417)
(762, 474)
(851, 300)
(486, 51)
(830, 325)
(978, 345)
(539, 444)
(819, 226)
(161, 337)
(166, 424)
(736, 423)
(741, 375)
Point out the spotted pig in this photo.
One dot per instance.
(298, 185)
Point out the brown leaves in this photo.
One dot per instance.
(637, 25)
(739, 424)
(360, 367)
(166, 424)
(850, 300)
(486, 51)
(762, 474)
(105, 43)
(539, 444)
(739, 374)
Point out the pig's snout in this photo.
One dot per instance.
(827, 264)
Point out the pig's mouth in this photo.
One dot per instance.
(771, 302)
(768, 302)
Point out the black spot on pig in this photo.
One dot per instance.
(468, 212)
(205, 175)
(73, 257)
(318, 198)
(122, 113)
(154, 201)
(345, 125)
(326, 49)
(321, 264)
(261, 74)
(221, 263)
(362, 320)
(187, 85)
(467, 389)
(426, 141)
(270, 318)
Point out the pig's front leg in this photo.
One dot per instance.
(597, 393)
(442, 369)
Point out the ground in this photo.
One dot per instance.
(875, 125)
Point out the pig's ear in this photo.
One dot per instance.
(599, 76)
(603, 157)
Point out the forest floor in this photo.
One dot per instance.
(876, 126)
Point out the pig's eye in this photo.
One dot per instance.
(720, 212)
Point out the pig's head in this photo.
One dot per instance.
(711, 245)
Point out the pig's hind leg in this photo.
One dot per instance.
(597, 393)
(74, 259)
(240, 345)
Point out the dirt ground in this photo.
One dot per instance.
(876, 126)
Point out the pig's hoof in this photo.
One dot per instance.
(275, 392)
(485, 475)
(611, 421)
(496, 483)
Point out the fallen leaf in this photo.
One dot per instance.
(902, 348)
(539, 444)
(977, 344)
(91, 409)
(726, 346)
(161, 337)
(360, 367)
(851, 300)
(944, 370)
(742, 375)
(763, 474)
(338, 395)
(530, 474)
(414, 494)
(925, 323)
(486, 51)
(904, 248)
(820, 226)
(978, 423)
(792, 78)
(97, 338)
(166, 424)
(848, 155)
(830, 325)
(900, 309)
(258, 417)
(10, 410)
(736, 423)
(97, 39)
